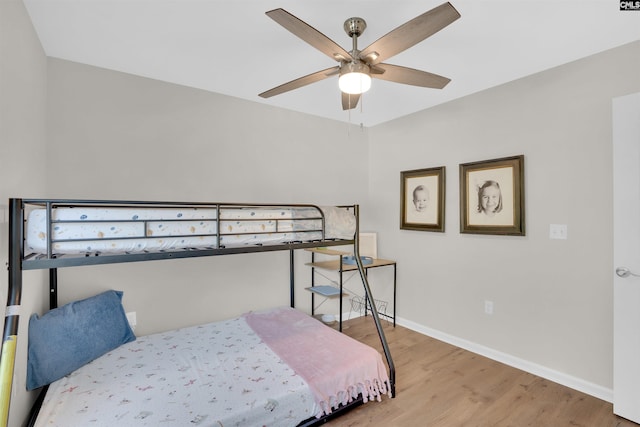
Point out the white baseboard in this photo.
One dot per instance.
(350, 315)
(575, 383)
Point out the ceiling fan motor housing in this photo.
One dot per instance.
(354, 26)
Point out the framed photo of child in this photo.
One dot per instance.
(492, 197)
(422, 199)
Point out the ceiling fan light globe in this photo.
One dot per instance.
(354, 78)
(354, 83)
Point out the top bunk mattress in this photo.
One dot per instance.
(109, 230)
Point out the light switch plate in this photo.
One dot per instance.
(558, 231)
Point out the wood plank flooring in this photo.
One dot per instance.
(440, 385)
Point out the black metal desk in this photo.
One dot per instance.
(340, 267)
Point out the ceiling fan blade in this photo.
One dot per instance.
(410, 33)
(300, 82)
(309, 34)
(349, 102)
(410, 76)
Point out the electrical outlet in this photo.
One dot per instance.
(132, 318)
(488, 307)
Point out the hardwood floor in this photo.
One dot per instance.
(439, 385)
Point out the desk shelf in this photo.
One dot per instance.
(325, 290)
(340, 267)
(334, 265)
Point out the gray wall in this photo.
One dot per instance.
(553, 298)
(22, 159)
(113, 135)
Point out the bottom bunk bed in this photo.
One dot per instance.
(279, 367)
(271, 368)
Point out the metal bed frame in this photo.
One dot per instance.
(20, 261)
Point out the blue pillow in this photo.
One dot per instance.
(68, 337)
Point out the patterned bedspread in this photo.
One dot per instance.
(219, 374)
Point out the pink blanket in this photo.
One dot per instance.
(335, 366)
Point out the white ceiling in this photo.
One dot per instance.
(231, 47)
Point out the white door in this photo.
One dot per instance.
(626, 257)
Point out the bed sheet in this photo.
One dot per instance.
(84, 229)
(219, 374)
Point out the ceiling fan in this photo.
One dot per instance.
(357, 67)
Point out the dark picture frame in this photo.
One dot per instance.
(422, 196)
(492, 197)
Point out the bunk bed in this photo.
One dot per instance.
(53, 234)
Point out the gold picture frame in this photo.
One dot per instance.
(422, 196)
(492, 197)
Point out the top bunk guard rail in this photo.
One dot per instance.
(22, 258)
(306, 231)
